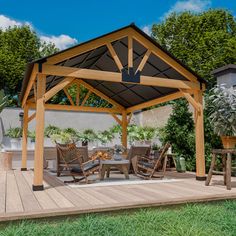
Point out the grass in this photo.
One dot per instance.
(192, 219)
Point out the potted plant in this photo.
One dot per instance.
(145, 134)
(14, 134)
(87, 136)
(48, 132)
(105, 137)
(72, 132)
(222, 107)
(31, 135)
(62, 138)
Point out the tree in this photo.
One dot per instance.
(203, 41)
(18, 46)
(179, 131)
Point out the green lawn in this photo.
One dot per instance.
(193, 219)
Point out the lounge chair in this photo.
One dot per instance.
(148, 168)
(137, 151)
(75, 162)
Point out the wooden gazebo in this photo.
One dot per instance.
(127, 68)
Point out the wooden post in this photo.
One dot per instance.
(199, 132)
(124, 129)
(39, 139)
(24, 138)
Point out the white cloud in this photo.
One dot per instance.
(189, 5)
(147, 29)
(62, 41)
(6, 22)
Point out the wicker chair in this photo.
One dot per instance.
(147, 168)
(74, 161)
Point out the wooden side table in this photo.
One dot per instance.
(226, 161)
(122, 165)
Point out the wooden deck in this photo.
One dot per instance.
(18, 201)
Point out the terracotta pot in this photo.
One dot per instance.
(228, 141)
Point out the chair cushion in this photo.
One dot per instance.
(87, 167)
(146, 164)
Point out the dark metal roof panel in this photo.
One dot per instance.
(101, 59)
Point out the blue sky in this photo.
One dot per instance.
(68, 22)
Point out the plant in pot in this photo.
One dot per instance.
(31, 135)
(105, 137)
(14, 134)
(62, 138)
(72, 132)
(146, 134)
(87, 136)
(222, 114)
(51, 130)
(48, 132)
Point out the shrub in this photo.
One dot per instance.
(179, 131)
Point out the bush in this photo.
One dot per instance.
(179, 131)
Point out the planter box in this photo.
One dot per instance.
(5, 161)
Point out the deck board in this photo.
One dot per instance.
(28, 199)
(42, 197)
(3, 176)
(13, 199)
(18, 201)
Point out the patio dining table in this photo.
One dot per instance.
(118, 161)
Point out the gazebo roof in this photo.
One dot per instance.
(96, 56)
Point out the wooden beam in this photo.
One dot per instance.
(124, 129)
(199, 132)
(82, 48)
(191, 100)
(54, 90)
(130, 52)
(117, 119)
(100, 94)
(144, 60)
(116, 77)
(35, 92)
(31, 117)
(115, 57)
(154, 102)
(77, 108)
(86, 98)
(164, 56)
(68, 96)
(39, 131)
(24, 138)
(30, 84)
(77, 93)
